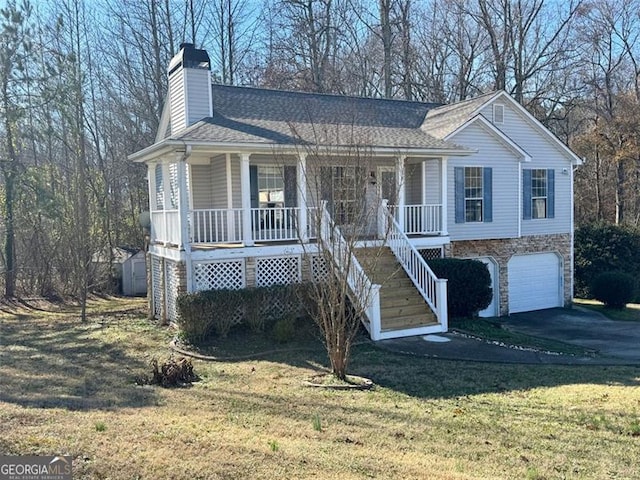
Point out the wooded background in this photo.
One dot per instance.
(83, 83)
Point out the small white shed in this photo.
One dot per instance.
(131, 266)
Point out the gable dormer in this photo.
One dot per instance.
(189, 87)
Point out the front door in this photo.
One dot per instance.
(387, 188)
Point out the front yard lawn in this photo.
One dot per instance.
(629, 314)
(68, 388)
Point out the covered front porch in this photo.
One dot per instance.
(204, 199)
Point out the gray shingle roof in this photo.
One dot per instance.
(443, 120)
(262, 116)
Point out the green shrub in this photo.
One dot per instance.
(202, 313)
(614, 289)
(468, 287)
(284, 329)
(605, 248)
(255, 300)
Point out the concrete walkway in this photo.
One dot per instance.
(616, 343)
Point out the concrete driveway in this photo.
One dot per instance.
(583, 327)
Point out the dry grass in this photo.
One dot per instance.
(68, 388)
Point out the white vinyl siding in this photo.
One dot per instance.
(177, 101)
(545, 154)
(218, 184)
(198, 93)
(505, 186)
(413, 182)
(433, 182)
(201, 191)
(189, 101)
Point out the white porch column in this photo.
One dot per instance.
(184, 242)
(245, 187)
(168, 235)
(151, 181)
(400, 189)
(423, 182)
(231, 218)
(301, 185)
(444, 230)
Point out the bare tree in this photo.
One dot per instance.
(15, 34)
(304, 44)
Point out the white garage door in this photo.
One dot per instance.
(534, 282)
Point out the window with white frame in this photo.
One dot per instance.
(159, 183)
(344, 183)
(270, 186)
(539, 193)
(473, 194)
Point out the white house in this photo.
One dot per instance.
(237, 175)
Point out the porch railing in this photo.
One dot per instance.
(275, 224)
(432, 288)
(420, 219)
(165, 226)
(220, 225)
(224, 225)
(363, 289)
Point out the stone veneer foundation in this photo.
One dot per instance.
(502, 250)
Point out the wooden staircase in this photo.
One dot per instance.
(401, 305)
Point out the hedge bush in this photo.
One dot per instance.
(469, 285)
(614, 289)
(202, 314)
(605, 248)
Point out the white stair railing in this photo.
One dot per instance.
(364, 290)
(432, 288)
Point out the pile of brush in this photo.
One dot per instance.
(171, 373)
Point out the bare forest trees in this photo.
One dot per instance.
(608, 183)
(83, 84)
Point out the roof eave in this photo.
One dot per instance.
(168, 145)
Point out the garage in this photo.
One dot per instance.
(535, 282)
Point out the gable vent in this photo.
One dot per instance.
(498, 114)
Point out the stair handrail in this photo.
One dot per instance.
(432, 288)
(364, 290)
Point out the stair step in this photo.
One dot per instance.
(395, 283)
(410, 321)
(403, 311)
(401, 299)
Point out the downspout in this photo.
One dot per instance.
(571, 243)
(520, 194)
(185, 241)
